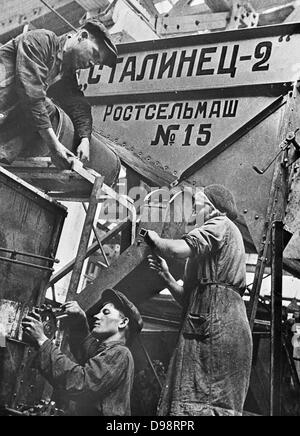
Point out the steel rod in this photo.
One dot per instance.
(258, 278)
(276, 318)
(53, 293)
(35, 256)
(59, 15)
(30, 265)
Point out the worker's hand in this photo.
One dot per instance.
(83, 150)
(33, 327)
(73, 310)
(75, 317)
(160, 266)
(61, 157)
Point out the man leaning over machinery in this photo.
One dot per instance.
(38, 65)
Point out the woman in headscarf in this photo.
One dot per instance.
(210, 370)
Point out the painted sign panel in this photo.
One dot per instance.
(197, 65)
(176, 134)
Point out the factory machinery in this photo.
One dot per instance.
(180, 114)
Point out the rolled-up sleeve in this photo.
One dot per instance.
(32, 71)
(208, 238)
(100, 375)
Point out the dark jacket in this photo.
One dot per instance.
(31, 69)
(99, 384)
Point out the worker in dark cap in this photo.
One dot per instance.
(209, 372)
(99, 383)
(38, 65)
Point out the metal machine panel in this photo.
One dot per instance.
(234, 169)
(30, 228)
(203, 109)
(176, 134)
(203, 62)
(31, 224)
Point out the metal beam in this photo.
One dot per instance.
(294, 16)
(129, 272)
(59, 15)
(276, 320)
(83, 245)
(278, 15)
(93, 249)
(98, 238)
(258, 278)
(109, 278)
(184, 24)
(89, 5)
(185, 7)
(276, 208)
(40, 17)
(243, 15)
(62, 185)
(219, 5)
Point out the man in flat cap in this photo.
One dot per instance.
(38, 65)
(99, 383)
(210, 370)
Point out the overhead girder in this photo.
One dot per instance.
(219, 5)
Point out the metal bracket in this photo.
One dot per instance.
(15, 253)
(25, 254)
(30, 265)
(284, 146)
(243, 15)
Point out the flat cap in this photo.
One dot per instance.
(126, 306)
(222, 199)
(98, 30)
